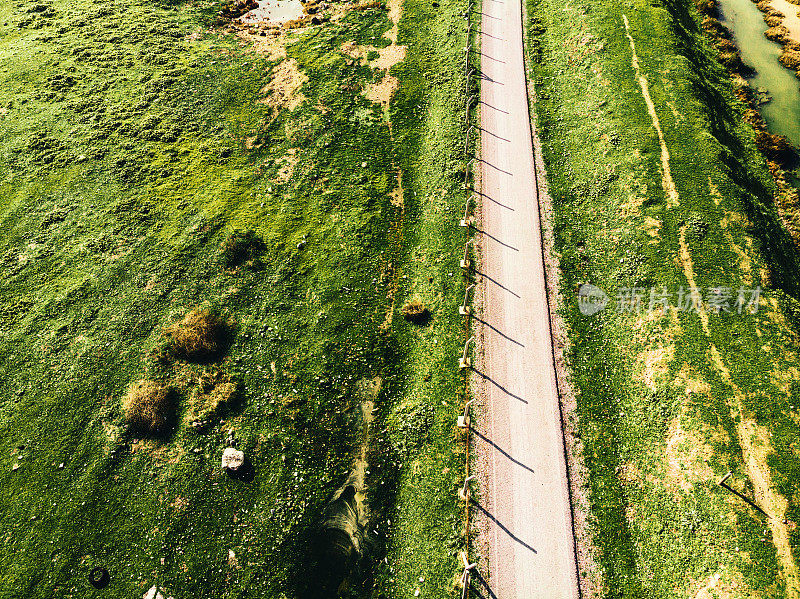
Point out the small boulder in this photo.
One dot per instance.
(154, 593)
(232, 459)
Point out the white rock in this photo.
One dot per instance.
(232, 459)
(154, 593)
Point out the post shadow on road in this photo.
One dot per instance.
(501, 526)
(498, 385)
(494, 37)
(495, 135)
(491, 199)
(498, 331)
(494, 107)
(493, 238)
(485, 77)
(475, 51)
(486, 439)
(479, 585)
(496, 282)
(486, 162)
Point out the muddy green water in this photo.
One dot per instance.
(782, 114)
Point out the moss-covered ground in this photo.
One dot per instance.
(134, 141)
(671, 400)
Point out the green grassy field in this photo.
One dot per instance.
(133, 142)
(670, 400)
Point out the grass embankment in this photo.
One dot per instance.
(671, 195)
(133, 143)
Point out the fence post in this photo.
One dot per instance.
(463, 492)
(464, 361)
(463, 420)
(465, 261)
(464, 309)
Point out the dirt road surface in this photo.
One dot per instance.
(522, 505)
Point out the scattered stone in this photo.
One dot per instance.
(232, 459)
(154, 593)
(61, 466)
(15, 467)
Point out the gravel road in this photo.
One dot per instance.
(522, 504)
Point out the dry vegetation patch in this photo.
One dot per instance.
(283, 90)
(150, 406)
(200, 335)
(415, 311)
(214, 395)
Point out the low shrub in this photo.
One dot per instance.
(416, 312)
(201, 335)
(776, 147)
(706, 7)
(241, 246)
(777, 34)
(790, 59)
(773, 20)
(214, 396)
(715, 28)
(150, 407)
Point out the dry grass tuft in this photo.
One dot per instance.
(416, 312)
(371, 4)
(790, 59)
(706, 7)
(773, 20)
(776, 147)
(216, 393)
(200, 336)
(241, 246)
(150, 406)
(777, 33)
(715, 28)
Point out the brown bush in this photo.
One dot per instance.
(200, 335)
(216, 393)
(725, 45)
(753, 117)
(732, 60)
(715, 28)
(706, 7)
(790, 59)
(150, 406)
(416, 312)
(776, 147)
(777, 34)
(773, 20)
(372, 4)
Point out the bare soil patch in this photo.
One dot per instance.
(283, 91)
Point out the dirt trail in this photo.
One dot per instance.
(523, 507)
(666, 171)
(753, 439)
